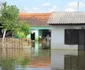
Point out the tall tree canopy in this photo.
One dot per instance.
(8, 17)
(9, 21)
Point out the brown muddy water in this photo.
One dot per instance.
(45, 59)
(38, 52)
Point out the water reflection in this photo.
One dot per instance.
(40, 57)
(57, 58)
(75, 62)
(35, 48)
(68, 60)
(40, 48)
(40, 54)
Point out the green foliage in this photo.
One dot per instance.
(20, 35)
(22, 30)
(9, 17)
(7, 64)
(9, 21)
(23, 61)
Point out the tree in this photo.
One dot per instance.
(22, 30)
(9, 18)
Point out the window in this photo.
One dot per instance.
(71, 36)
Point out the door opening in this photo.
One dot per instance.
(33, 36)
(81, 44)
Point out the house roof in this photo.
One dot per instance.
(35, 19)
(67, 18)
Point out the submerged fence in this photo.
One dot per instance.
(15, 48)
(12, 43)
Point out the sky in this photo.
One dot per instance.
(32, 6)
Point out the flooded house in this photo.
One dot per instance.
(68, 30)
(38, 22)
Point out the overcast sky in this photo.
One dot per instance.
(47, 5)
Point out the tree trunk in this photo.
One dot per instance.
(4, 34)
(3, 44)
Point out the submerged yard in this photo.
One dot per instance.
(38, 53)
(21, 55)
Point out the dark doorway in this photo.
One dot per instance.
(33, 36)
(81, 44)
(45, 33)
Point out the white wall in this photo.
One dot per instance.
(57, 36)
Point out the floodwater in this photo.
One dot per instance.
(45, 59)
(38, 52)
(40, 55)
(42, 58)
(67, 60)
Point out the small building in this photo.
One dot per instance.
(38, 23)
(68, 30)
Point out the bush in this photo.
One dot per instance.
(22, 30)
(20, 35)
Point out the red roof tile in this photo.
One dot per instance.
(35, 19)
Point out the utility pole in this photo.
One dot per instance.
(78, 6)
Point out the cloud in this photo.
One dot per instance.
(70, 9)
(30, 10)
(81, 4)
(25, 10)
(46, 4)
(52, 9)
(36, 8)
(73, 6)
